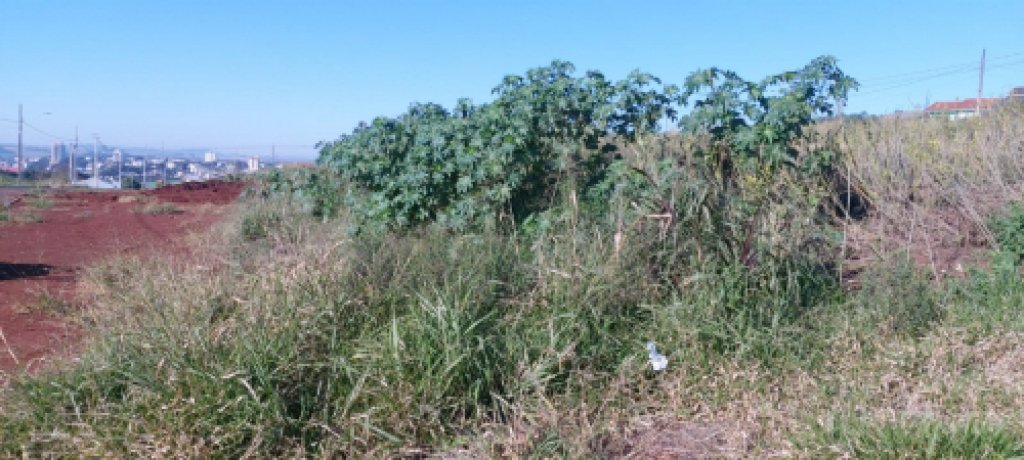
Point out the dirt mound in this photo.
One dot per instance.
(215, 191)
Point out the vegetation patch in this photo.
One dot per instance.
(482, 281)
(23, 216)
(922, 439)
(46, 302)
(40, 201)
(159, 208)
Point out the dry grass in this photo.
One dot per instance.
(159, 208)
(934, 184)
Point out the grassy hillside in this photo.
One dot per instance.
(792, 327)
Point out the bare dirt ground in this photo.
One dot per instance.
(50, 235)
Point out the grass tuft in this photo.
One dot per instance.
(922, 439)
(159, 208)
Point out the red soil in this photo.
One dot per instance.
(43, 247)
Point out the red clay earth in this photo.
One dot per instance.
(46, 241)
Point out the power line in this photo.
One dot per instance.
(901, 84)
(952, 67)
(916, 74)
(908, 82)
(46, 133)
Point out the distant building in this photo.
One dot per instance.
(95, 182)
(56, 153)
(1016, 94)
(961, 109)
(209, 157)
(254, 164)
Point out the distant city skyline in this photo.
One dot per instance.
(39, 151)
(238, 77)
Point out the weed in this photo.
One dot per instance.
(1008, 229)
(899, 298)
(41, 201)
(159, 208)
(27, 217)
(45, 302)
(256, 224)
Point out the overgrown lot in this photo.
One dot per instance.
(481, 283)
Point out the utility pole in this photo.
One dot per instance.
(164, 154)
(981, 79)
(71, 161)
(95, 158)
(21, 121)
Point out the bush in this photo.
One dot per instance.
(550, 137)
(130, 183)
(257, 224)
(1008, 229)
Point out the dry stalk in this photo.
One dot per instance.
(8, 347)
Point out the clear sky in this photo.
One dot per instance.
(238, 76)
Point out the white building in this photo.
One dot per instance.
(95, 182)
(254, 164)
(56, 153)
(209, 157)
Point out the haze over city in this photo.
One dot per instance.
(240, 77)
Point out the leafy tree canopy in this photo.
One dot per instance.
(550, 131)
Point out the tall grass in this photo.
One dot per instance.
(934, 183)
(288, 336)
(297, 338)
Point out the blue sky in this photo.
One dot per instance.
(238, 76)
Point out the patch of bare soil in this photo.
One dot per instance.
(688, 440)
(48, 239)
(945, 242)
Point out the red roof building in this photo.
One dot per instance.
(961, 109)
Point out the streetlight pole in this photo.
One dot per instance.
(95, 158)
(71, 161)
(21, 121)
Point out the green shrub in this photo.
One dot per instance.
(257, 224)
(988, 300)
(1008, 229)
(549, 137)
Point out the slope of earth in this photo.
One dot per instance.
(47, 237)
